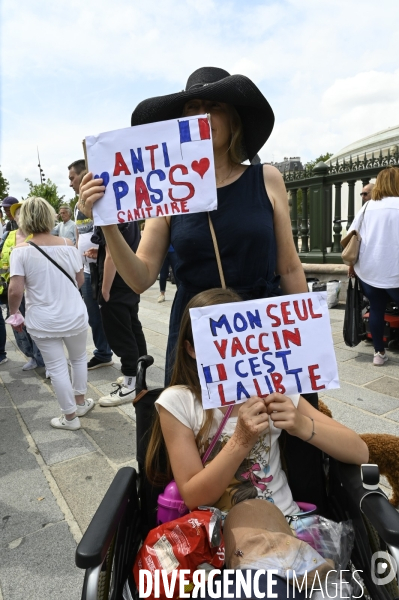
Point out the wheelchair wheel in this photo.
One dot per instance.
(104, 582)
(391, 588)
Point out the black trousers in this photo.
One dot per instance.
(123, 329)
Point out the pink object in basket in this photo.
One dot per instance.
(15, 319)
(170, 504)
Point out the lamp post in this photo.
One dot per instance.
(42, 177)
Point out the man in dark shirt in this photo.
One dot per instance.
(119, 306)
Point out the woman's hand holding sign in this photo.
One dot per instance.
(90, 191)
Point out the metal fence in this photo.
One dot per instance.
(319, 224)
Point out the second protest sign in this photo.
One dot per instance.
(258, 347)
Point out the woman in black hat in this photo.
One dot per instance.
(251, 223)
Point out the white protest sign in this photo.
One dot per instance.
(257, 347)
(154, 170)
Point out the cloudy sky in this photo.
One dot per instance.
(71, 69)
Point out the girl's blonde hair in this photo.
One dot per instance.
(36, 216)
(184, 373)
(387, 184)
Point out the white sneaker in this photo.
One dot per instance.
(83, 409)
(31, 364)
(3, 361)
(161, 298)
(121, 395)
(62, 423)
(379, 359)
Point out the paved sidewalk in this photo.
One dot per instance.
(52, 481)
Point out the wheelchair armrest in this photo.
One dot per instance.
(93, 547)
(142, 365)
(373, 504)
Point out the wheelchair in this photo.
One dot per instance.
(128, 510)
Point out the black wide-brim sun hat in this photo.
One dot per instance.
(211, 83)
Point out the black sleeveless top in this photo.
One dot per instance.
(244, 230)
(243, 224)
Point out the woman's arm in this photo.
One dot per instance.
(15, 293)
(289, 267)
(330, 436)
(139, 270)
(204, 486)
(108, 276)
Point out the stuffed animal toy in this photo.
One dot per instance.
(384, 452)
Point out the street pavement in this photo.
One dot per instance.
(52, 481)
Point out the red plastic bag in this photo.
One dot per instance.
(185, 543)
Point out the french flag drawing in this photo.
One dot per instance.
(214, 373)
(194, 130)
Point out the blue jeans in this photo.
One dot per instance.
(103, 350)
(25, 342)
(3, 336)
(378, 298)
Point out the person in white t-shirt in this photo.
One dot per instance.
(246, 461)
(378, 263)
(51, 274)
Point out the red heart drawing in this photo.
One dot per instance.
(200, 166)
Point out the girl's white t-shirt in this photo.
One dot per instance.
(378, 263)
(54, 307)
(260, 475)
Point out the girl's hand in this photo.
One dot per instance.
(90, 191)
(252, 421)
(285, 416)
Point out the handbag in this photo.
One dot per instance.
(354, 327)
(351, 244)
(170, 503)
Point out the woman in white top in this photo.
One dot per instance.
(55, 312)
(378, 263)
(245, 463)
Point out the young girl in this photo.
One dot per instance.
(246, 461)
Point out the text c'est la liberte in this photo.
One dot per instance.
(286, 314)
(147, 196)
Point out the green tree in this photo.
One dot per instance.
(4, 185)
(312, 163)
(48, 191)
(72, 203)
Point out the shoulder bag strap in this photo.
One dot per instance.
(217, 434)
(362, 217)
(53, 261)
(215, 245)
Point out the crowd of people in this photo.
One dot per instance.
(38, 256)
